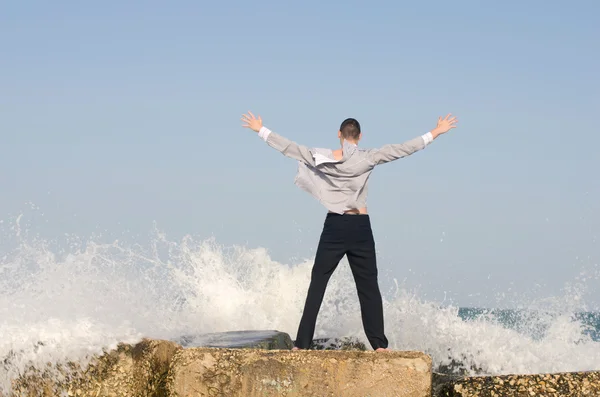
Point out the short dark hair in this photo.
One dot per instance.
(350, 128)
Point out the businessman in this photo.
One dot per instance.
(338, 179)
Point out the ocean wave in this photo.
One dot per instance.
(69, 300)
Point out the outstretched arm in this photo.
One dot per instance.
(393, 152)
(285, 146)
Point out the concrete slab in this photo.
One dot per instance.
(253, 373)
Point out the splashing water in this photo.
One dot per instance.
(60, 304)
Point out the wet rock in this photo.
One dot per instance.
(338, 344)
(129, 370)
(337, 367)
(268, 340)
(155, 368)
(457, 365)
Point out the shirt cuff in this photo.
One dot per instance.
(264, 133)
(428, 138)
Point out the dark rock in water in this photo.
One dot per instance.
(456, 367)
(459, 365)
(441, 383)
(263, 339)
(338, 344)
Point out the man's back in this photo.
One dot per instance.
(338, 178)
(340, 185)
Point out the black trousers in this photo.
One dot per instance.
(349, 235)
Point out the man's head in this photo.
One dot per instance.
(350, 131)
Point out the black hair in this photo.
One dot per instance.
(350, 129)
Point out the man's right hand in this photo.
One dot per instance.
(444, 125)
(255, 124)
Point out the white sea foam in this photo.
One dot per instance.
(61, 301)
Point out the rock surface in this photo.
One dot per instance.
(138, 370)
(573, 384)
(155, 368)
(269, 340)
(253, 373)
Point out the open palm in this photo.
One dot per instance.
(446, 124)
(252, 122)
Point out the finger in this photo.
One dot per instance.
(448, 115)
(260, 118)
(250, 113)
(452, 119)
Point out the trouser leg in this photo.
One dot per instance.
(363, 263)
(330, 251)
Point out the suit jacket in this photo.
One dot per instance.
(340, 185)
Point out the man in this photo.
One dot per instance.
(338, 179)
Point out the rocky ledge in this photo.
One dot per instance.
(158, 368)
(260, 363)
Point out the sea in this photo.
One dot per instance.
(69, 298)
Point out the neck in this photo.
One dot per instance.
(350, 141)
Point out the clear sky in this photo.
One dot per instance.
(118, 114)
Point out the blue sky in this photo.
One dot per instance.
(116, 115)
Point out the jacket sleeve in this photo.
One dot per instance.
(396, 151)
(287, 147)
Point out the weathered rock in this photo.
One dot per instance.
(561, 384)
(269, 340)
(250, 373)
(154, 368)
(138, 370)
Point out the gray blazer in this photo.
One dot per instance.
(340, 185)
